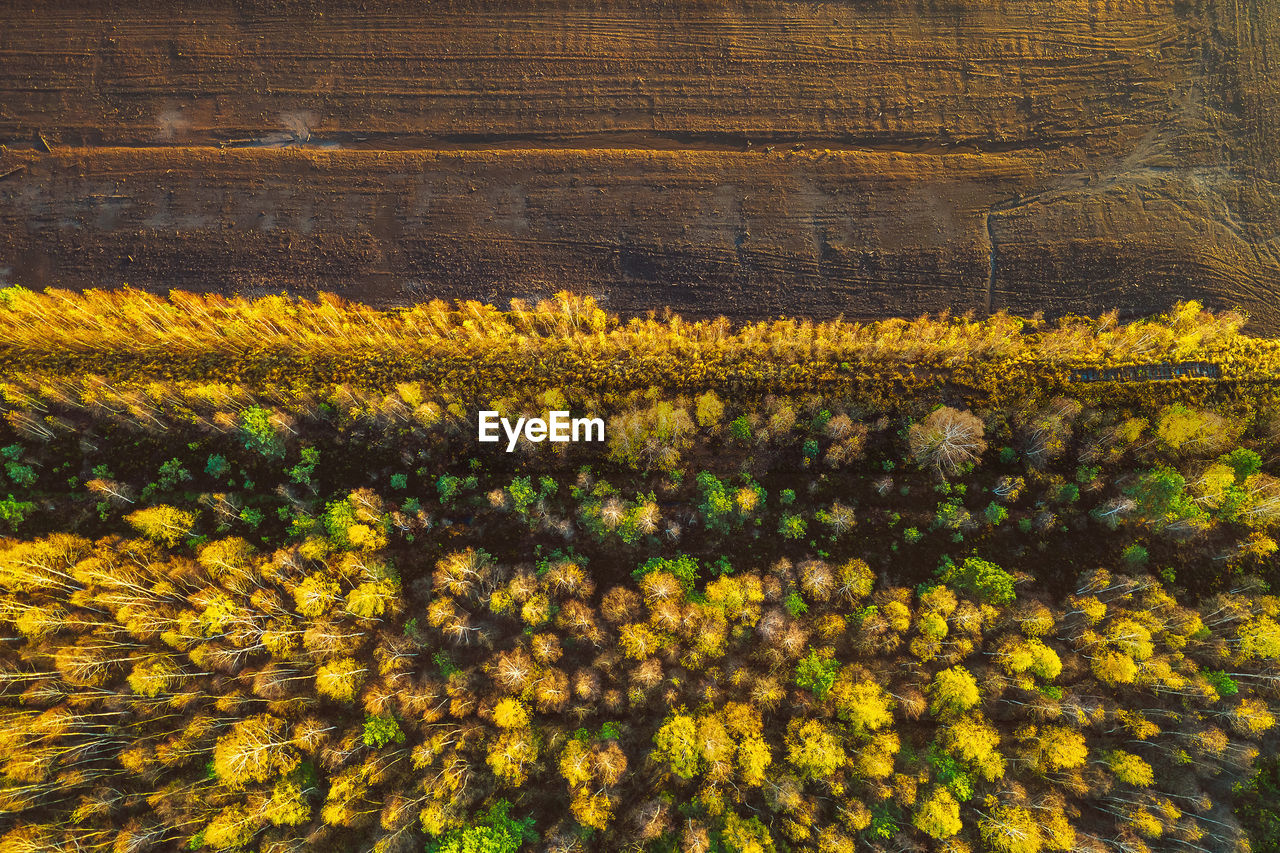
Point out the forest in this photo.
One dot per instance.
(935, 584)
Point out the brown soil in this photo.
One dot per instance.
(726, 157)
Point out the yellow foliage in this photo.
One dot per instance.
(938, 814)
(861, 702)
(165, 524)
(1112, 668)
(1130, 769)
(974, 741)
(314, 595)
(511, 714)
(814, 749)
(953, 692)
(340, 679)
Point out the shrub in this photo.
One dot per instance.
(1134, 556)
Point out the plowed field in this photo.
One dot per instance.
(728, 157)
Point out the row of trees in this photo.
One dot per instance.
(202, 336)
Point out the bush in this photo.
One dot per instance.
(1134, 556)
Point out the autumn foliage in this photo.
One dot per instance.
(305, 615)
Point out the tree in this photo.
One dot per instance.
(814, 749)
(1112, 667)
(650, 438)
(1018, 656)
(676, 745)
(974, 741)
(1053, 748)
(510, 755)
(1193, 431)
(1259, 639)
(817, 672)
(953, 692)
(938, 814)
(259, 432)
(255, 750)
(315, 595)
(947, 439)
(231, 829)
(511, 713)
(1011, 829)
(861, 702)
(979, 578)
(1161, 499)
(854, 581)
(155, 676)
(710, 410)
(495, 832)
(1256, 804)
(381, 730)
(1129, 768)
(372, 599)
(746, 835)
(167, 525)
(340, 679)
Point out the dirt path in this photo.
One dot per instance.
(744, 158)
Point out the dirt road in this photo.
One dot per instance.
(726, 157)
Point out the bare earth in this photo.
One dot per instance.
(740, 158)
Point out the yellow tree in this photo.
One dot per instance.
(255, 750)
(814, 749)
(938, 814)
(167, 525)
(952, 693)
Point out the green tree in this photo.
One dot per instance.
(816, 672)
(979, 578)
(495, 832)
(381, 730)
(259, 433)
(14, 512)
(1160, 496)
